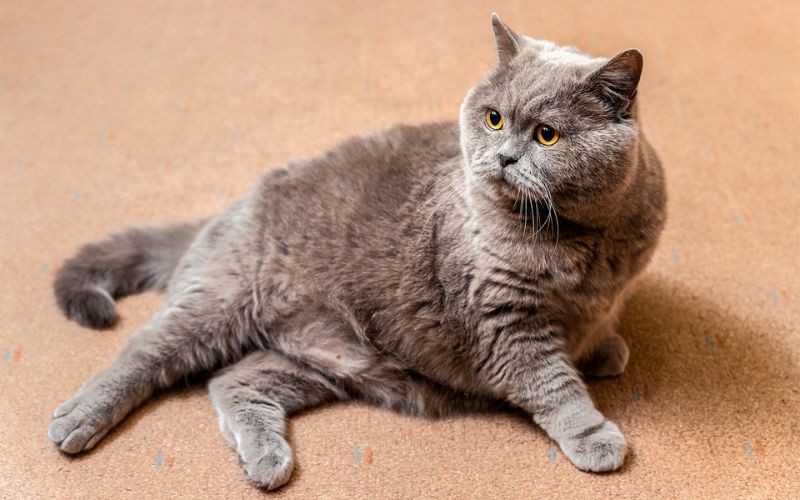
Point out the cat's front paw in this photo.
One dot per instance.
(265, 455)
(81, 422)
(599, 449)
(267, 462)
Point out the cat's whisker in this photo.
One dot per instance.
(446, 190)
(445, 194)
(524, 207)
(532, 208)
(446, 176)
(548, 221)
(459, 176)
(552, 207)
(435, 174)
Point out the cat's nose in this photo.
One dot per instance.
(506, 160)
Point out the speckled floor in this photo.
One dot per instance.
(127, 112)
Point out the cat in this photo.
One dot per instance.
(429, 269)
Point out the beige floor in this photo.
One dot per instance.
(123, 112)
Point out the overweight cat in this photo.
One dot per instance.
(426, 269)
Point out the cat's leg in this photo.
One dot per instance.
(253, 399)
(528, 366)
(191, 335)
(607, 358)
(315, 358)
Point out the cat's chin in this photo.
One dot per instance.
(508, 195)
(515, 200)
(510, 190)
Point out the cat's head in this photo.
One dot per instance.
(552, 123)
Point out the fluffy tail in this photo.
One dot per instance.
(126, 263)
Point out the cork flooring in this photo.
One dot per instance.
(128, 112)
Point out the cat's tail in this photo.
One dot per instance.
(125, 263)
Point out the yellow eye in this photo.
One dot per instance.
(546, 135)
(493, 119)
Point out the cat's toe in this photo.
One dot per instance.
(269, 464)
(73, 434)
(601, 450)
(78, 425)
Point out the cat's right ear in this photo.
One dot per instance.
(508, 42)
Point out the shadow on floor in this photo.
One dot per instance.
(700, 366)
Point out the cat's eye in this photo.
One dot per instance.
(493, 119)
(546, 135)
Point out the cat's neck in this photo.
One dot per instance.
(524, 231)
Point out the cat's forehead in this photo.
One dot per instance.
(543, 68)
(545, 51)
(542, 59)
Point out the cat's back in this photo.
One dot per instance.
(365, 179)
(378, 162)
(400, 147)
(352, 203)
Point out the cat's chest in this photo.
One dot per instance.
(576, 281)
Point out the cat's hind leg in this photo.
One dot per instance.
(193, 334)
(253, 399)
(607, 358)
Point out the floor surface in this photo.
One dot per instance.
(115, 113)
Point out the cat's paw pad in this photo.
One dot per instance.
(267, 460)
(80, 422)
(599, 449)
(608, 359)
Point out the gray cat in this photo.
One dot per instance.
(429, 269)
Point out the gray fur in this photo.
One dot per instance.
(416, 269)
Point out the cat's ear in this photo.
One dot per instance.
(616, 81)
(508, 42)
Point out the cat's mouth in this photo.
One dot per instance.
(520, 198)
(517, 186)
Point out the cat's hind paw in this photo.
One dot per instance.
(599, 449)
(608, 359)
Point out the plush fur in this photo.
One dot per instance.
(427, 269)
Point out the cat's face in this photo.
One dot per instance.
(551, 123)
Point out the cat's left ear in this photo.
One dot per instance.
(508, 42)
(617, 80)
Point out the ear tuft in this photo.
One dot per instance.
(508, 42)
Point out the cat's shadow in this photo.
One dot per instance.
(693, 365)
(697, 365)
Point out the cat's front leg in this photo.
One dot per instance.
(529, 366)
